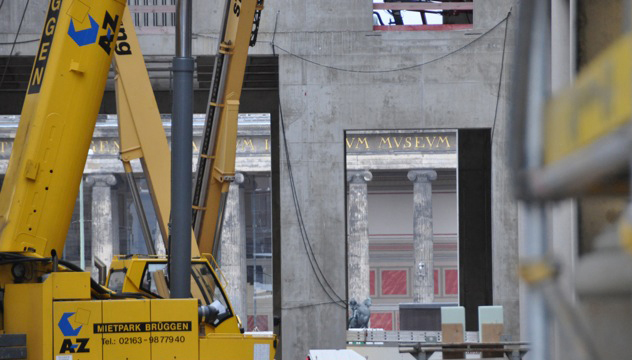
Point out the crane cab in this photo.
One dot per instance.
(148, 276)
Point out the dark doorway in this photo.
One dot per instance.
(475, 226)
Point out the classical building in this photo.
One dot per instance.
(402, 219)
(105, 222)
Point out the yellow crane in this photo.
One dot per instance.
(62, 312)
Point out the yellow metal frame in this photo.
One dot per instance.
(140, 127)
(62, 314)
(222, 157)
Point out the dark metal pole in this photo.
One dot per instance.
(181, 156)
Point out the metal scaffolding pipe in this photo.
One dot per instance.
(181, 156)
(530, 89)
(604, 273)
(183, 29)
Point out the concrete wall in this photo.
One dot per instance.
(319, 104)
(393, 213)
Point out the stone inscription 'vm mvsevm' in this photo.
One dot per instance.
(380, 143)
(112, 147)
(426, 142)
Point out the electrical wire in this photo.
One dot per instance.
(19, 42)
(322, 280)
(317, 271)
(307, 305)
(500, 80)
(98, 288)
(6, 66)
(327, 288)
(14, 258)
(396, 69)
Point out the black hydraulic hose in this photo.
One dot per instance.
(93, 284)
(101, 289)
(98, 288)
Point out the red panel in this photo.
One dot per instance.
(424, 6)
(372, 282)
(394, 282)
(262, 322)
(444, 27)
(451, 282)
(382, 321)
(436, 282)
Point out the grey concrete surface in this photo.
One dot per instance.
(233, 251)
(103, 233)
(319, 104)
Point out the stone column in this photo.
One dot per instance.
(423, 283)
(159, 243)
(233, 250)
(358, 238)
(102, 230)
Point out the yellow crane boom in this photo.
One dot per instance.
(140, 128)
(58, 118)
(216, 163)
(61, 312)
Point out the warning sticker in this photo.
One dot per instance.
(63, 357)
(262, 352)
(112, 328)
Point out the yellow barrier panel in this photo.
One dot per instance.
(598, 104)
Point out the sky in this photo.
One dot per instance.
(410, 17)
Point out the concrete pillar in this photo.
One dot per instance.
(423, 283)
(358, 239)
(159, 243)
(102, 230)
(233, 250)
(562, 230)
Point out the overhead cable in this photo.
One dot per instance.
(19, 42)
(316, 269)
(395, 69)
(500, 79)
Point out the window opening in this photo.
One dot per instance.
(416, 15)
(204, 286)
(117, 279)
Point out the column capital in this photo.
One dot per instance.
(422, 175)
(103, 180)
(359, 176)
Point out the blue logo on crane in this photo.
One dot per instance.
(65, 327)
(84, 37)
